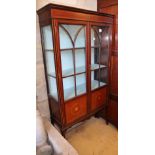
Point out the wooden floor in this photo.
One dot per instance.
(94, 137)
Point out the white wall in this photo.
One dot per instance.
(84, 4)
(42, 102)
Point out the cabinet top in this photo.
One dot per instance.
(63, 7)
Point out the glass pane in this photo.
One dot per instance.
(103, 76)
(81, 84)
(53, 87)
(47, 37)
(50, 63)
(105, 46)
(94, 58)
(94, 38)
(67, 62)
(94, 79)
(80, 60)
(103, 33)
(68, 87)
(65, 41)
(72, 30)
(80, 40)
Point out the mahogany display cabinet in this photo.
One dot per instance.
(76, 47)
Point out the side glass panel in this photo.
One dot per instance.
(49, 60)
(49, 55)
(99, 56)
(53, 87)
(73, 59)
(47, 37)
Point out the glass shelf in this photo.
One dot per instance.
(67, 63)
(81, 69)
(76, 48)
(95, 84)
(98, 78)
(70, 72)
(68, 58)
(52, 74)
(96, 66)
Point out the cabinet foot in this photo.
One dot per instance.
(97, 115)
(107, 122)
(63, 133)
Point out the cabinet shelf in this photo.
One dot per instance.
(95, 84)
(52, 75)
(96, 66)
(76, 48)
(48, 50)
(79, 70)
(70, 72)
(95, 47)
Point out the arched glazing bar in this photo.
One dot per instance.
(73, 38)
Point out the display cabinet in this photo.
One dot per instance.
(76, 50)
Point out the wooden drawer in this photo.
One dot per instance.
(98, 98)
(76, 108)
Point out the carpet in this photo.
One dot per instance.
(94, 137)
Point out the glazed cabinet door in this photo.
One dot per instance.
(49, 55)
(73, 59)
(72, 51)
(100, 50)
